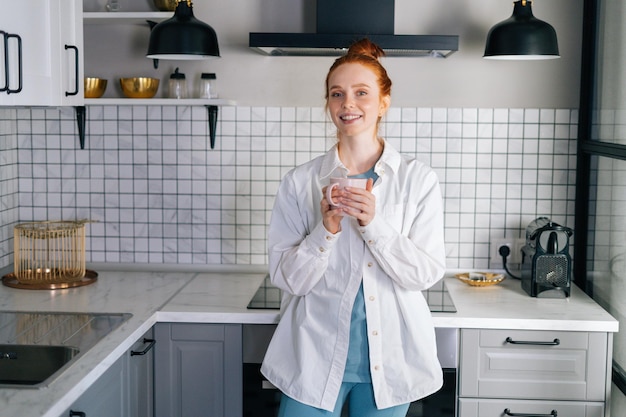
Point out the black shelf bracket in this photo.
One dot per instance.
(212, 123)
(81, 114)
(80, 120)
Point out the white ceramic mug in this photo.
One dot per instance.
(340, 182)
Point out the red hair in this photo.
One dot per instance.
(366, 53)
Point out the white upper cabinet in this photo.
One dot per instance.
(41, 53)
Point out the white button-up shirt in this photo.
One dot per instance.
(396, 256)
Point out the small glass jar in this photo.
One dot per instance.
(177, 85)
(113, 6)
(207, 86)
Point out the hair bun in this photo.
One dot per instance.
(367, 48)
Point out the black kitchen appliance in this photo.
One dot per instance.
(339, 23)
(546, 262)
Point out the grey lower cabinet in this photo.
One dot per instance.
(538, 373)
(124, 390)
(106, 397)
(198, 370)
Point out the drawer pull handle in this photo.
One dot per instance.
(150, 343)
(508, 412)
(555, 342)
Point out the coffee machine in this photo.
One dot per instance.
(546, 262)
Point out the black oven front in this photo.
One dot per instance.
(261, 398)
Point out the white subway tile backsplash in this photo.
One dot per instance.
(546, 115)
(440, 115)
(454, 116)
(408, 130)
(454, 130)
(531, 116)
(564, 116)
(439, 130)
(394, 114)
(408, 115)
(159, 193)
(470, 116)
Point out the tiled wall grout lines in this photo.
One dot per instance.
(161, 195)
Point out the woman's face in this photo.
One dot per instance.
(354, 100)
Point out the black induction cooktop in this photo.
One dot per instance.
(437, 296)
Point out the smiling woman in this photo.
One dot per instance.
(343, 267)
(357, 83)
(355, 108)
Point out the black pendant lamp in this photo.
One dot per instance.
(183, 37)
(522, 37)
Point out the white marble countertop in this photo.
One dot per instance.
(220, 294)
(502, 306)
(508, 306)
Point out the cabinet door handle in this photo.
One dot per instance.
(150, 342)
(73, 93)
(19, 62)
(77, 413)
(555, 342)
(508, 412)
(5, 42)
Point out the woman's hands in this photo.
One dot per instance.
(357, 202)
(364, 202)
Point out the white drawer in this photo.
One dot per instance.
(472, 407)
(494, 364)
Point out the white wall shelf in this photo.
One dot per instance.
(141, 18)
(158, 102)
(109, 18)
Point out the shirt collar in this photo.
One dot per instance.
(332, 165)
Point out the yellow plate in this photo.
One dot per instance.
(480, 279)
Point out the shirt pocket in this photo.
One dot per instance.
(394, 215)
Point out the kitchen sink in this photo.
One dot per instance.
(35, 348)
(32, 364)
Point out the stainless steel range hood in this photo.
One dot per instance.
(342, 22)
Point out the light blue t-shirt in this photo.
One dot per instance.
(358, 362)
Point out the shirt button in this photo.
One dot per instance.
(376, 368)
(370, 241)
(362, 231)
(322, 249)
(372, 298)
(329, 238)
(369, 264)
(375, 332)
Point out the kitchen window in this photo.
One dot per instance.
(600, 229)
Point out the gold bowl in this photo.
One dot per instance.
(95, 87)
(139, 87)
(480, 279)
(166, 5)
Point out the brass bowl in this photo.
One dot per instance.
(95, 87)
(166, 5)
(139, 87)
